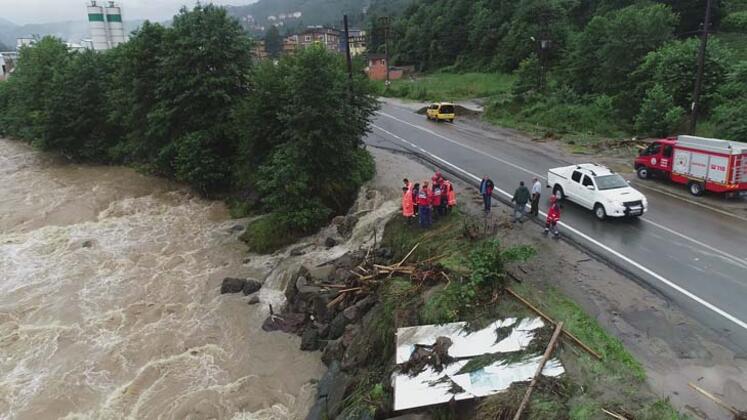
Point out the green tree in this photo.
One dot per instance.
(658, 115)
(728, 115)
(674, 67)
(314, 162)
(75, 123)
(33, 85)
(613, 45)
(137, 75)
(207, 60)
(273, 42)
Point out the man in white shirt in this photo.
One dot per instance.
(536, 189)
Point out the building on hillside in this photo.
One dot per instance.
(25, 42)
(259, 51)
(357, 40)
(8, 61)
(328, 37)
(377, 68)
(105, 25)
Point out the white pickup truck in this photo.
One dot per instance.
(597, 188)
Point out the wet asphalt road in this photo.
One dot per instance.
(695, 256)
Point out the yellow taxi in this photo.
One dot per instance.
(440, 111)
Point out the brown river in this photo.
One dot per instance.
(110, 304)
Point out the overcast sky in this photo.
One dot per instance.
(42, 11)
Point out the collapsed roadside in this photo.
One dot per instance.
(355, 328)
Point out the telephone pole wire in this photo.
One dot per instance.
(701, 65)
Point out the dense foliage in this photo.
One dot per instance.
(186, 103)
(578, 61)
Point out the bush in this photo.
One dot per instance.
(268, 234)
(735, 22)
(658, 115)
(197, 163)
(527, 76)
(730, 121)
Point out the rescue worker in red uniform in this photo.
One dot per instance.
(451, 200)
(424, 205)
(553, 217)
(436, 199)
(407, 209)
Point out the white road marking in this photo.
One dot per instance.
(478, 151)
(732, 258)
(693, 202)
(580, 234)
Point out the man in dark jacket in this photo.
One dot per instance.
(520, 199)
(486, 190)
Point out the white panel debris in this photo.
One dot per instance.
(431, 387)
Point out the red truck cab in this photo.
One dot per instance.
(701, 163)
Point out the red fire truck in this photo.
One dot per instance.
(701, 163)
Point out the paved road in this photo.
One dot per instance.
(695, 256)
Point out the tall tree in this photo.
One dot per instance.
(273, 42)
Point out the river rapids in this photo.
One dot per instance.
(110, 304)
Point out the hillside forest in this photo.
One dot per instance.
(186, 102)
(594, 67)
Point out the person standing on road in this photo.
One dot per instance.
(553, 217)
(424, 205)
(486, 190)
(520, 199)
(536, 190)
(450, 195)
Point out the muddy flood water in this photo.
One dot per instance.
(110, 304)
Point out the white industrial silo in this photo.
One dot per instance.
(97, 26)
(116, 26)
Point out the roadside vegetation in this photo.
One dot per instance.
(477, 264)
(581, 70)
(186, 102)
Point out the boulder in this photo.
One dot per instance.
(321, 274)
(251, 286)
(236, 228)
(330, 242)
(310, 339)
(385, 253)
(330, 393)
(352, 313)
(305, 290)
(253, 300)
(351, 331)
(232, 285)
(319, 306)
(337, 326)
(333, 351)
(87, 243)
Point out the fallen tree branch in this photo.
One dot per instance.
(408, 254)
(614, 415)
(714, 398)
(550, 320)
(437, 257)
(336, 300)
(538, 372)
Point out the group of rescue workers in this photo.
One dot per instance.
(429, 203)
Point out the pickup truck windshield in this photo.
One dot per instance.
(610, 182)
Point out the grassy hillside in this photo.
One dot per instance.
(449, 86)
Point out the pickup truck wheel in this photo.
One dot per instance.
(643, 172)
(696, 188)
(600, 212)
(558, 192)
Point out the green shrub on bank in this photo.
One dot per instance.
(268, 234)
(659, 116)
(735, 22)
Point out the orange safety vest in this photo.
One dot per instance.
(450, 193)
(407, 209)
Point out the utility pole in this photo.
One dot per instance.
(347, 48)
(701, 65)
(385, 23)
